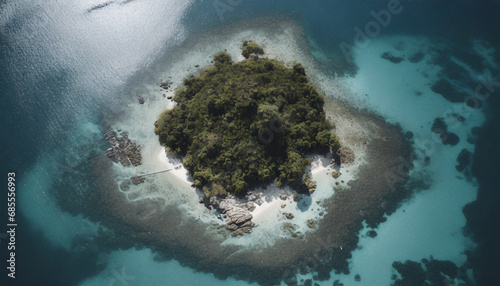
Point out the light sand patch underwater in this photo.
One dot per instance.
(431, 224)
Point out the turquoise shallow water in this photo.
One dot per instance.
(67, 69)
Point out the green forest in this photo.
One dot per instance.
(241, 124)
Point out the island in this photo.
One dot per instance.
(242, 124)
(270, 234)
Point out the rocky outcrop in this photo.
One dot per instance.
(345, 155)
(238, 216)
(166, 85)
(123, 150)
(336, 174)
(311, 223)
(241, 231)
(290, 228)
(289, 215)
(136, 180)
(310, 184)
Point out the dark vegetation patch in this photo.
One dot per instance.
(409, 135)
(472, 136)
(251, 48)
(447, 138)
(448, 91)
(411, 272)
(464, 160)
(337, 283)
(371, 233)
(432, 273)
(238, 125)
(465, 54)
(470, 57)
(439, 126)
(416, 57)
(450, 69)
(456, 72)
(450, 138)
(390, 57)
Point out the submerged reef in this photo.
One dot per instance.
(448, 138)
(450, 93)
(377, 190)
(429, 272)
(390, 57)
(238, 125)
(122, 149)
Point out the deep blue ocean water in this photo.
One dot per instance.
(62, 65)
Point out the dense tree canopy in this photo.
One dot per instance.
(241, 124)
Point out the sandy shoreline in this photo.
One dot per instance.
(181, 236)
(166, 214)
(270, 204)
